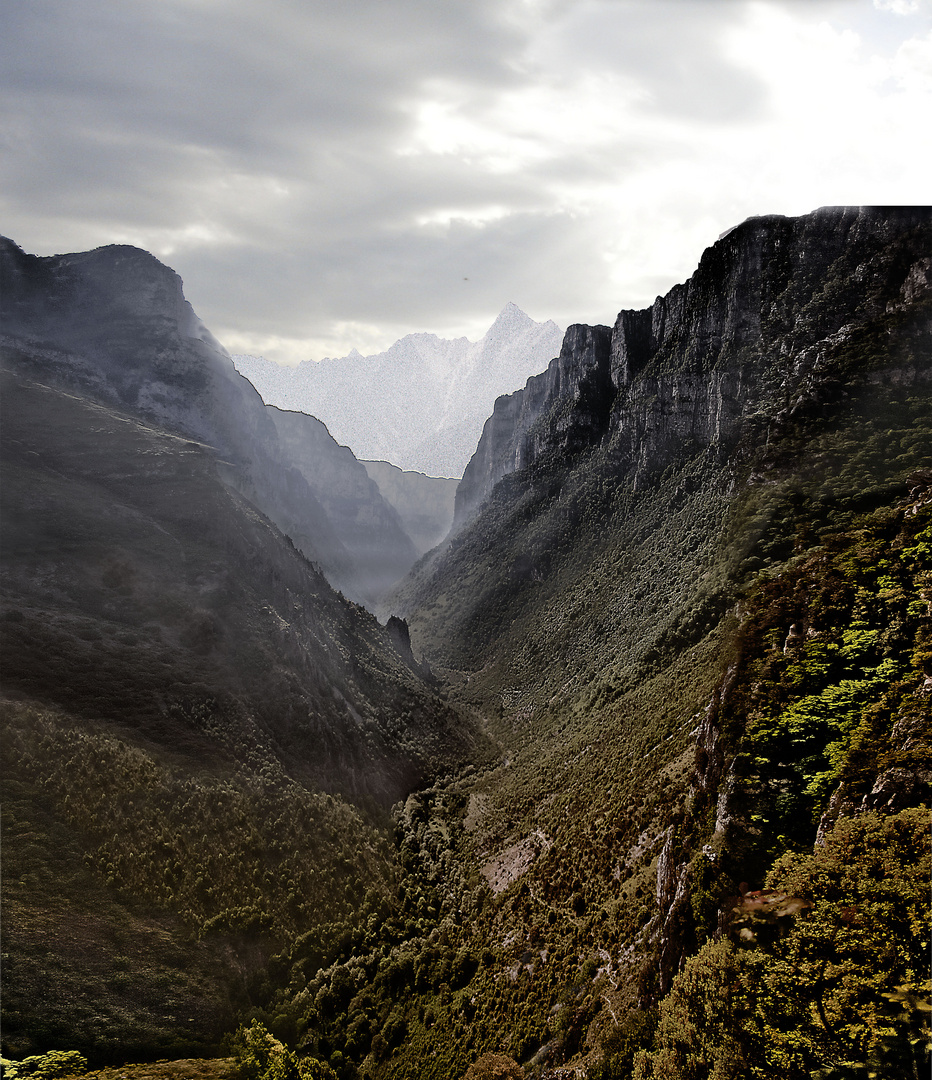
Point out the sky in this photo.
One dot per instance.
(333, 174)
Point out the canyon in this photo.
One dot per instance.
(670, 665)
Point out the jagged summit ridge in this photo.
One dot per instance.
(421, 403)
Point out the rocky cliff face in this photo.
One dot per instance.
(113, 323)
(747, 345)
(560, 412)
(769, 415)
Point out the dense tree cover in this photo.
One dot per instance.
(834, 654)
(441, 970)
(840, 994)
(494, 1067)
(818, 974)
(249, 850)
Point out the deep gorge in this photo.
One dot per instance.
(649, 796)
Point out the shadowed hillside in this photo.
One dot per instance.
(113, 325)
(201, 738)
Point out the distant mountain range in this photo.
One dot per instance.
(422, 403)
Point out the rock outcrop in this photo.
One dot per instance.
(750, 342)
(560, 412)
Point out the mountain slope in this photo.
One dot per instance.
(201, 738)
(619, 605)
(786, 322)
(114, 324)
(420, 404)
(368, 525)
(687, 607)
(424, 503)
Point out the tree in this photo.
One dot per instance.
(260, 1056)
(709, 1024)
(494, 1067)
(840, 993)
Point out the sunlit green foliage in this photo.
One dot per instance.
(50, 1066)
(260, 1056)
(817, 1000)
(833, 657)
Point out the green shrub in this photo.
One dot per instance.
(260, 1056)
(845, 984)
(50, 1066)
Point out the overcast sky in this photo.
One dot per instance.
(329, 174)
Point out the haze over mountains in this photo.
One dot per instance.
(419, 405)
(114, 324)
(172, 649)
(639, 790)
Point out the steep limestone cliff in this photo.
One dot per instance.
(747, 346)
(743, 458)
(560, 411)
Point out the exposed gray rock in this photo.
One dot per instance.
(742, 348)
(559, 412)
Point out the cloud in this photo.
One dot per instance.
(668, 51)
(327, 175)
(898, 7)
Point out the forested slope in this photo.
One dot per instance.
(201, 739)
